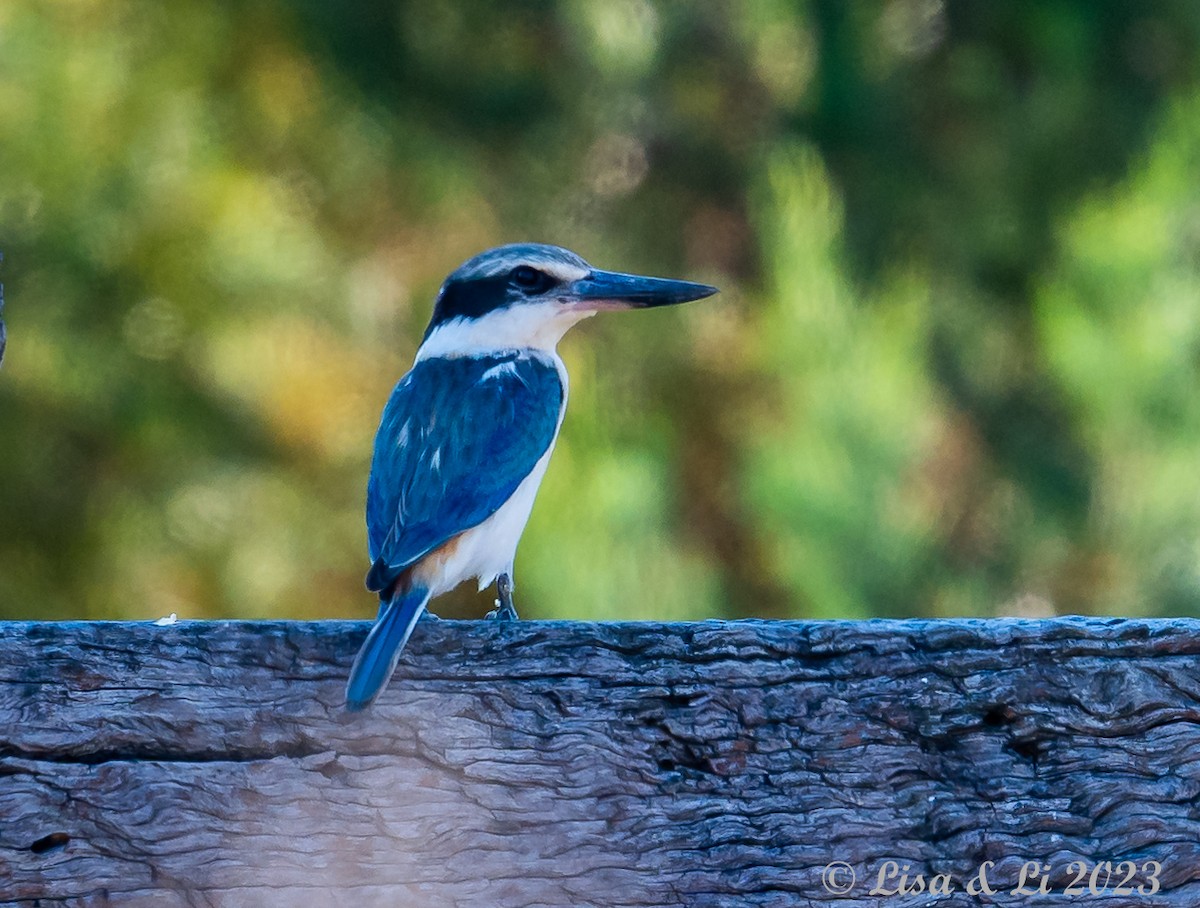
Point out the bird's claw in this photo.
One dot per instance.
(502, 612)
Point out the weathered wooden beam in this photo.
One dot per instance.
(569, 764)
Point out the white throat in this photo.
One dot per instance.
(537, 326)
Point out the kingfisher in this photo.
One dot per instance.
(467, 433)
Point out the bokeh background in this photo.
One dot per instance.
(954, 370)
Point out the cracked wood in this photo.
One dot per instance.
(568, 764)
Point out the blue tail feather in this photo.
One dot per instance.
(375, 662)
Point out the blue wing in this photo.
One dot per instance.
(457, 437)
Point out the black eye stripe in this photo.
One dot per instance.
(476, 297)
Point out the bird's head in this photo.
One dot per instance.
(528, 295)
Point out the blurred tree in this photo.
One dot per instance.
(226, 223)
(958, 133)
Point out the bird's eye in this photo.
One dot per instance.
(530, 279)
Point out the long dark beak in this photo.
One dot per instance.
(613, 290)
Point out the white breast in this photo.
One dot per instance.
(488, 550)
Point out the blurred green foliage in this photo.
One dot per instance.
(954, 368)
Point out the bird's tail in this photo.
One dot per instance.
(375, 662)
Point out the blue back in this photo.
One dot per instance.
(457, 437)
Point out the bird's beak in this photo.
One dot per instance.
(613, 290)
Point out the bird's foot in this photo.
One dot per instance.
(502, 613)
(504, 610)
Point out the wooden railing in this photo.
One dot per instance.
(568, 764)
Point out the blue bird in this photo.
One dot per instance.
(466, 435)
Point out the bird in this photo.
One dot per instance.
(467, 433)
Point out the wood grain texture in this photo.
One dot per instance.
(536, 764)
